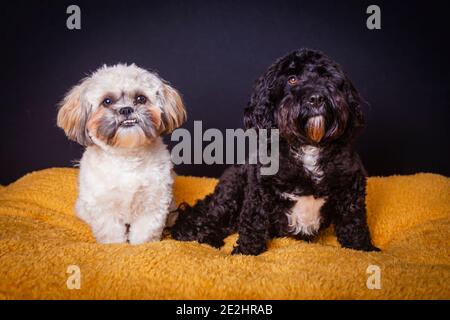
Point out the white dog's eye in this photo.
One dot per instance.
(107, 102)
(141, 99)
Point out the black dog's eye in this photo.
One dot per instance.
(292, 80)
(141, 99)
(107, 102)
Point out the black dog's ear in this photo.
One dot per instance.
(355, 103)
(259, 113)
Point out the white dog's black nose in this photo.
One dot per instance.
(126, 111)
(316, 99)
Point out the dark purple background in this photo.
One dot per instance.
(212, 51)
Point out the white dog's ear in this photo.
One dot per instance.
(73, 114)
(173, 111)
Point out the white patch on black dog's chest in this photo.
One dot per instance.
(304, 217)
(309, 157)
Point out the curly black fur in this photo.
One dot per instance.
(297, 87)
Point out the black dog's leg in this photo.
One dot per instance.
(212, 219)
(194, 223)
(350, 222)
(253, 231)
(254, 223)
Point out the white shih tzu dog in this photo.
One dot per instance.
(125, 184)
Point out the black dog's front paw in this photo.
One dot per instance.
(371, 248)
(304, 237)
(248, 250)
(216, 242)
(367, 248)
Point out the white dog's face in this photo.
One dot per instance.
(120, 106)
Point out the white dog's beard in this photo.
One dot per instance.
(129, 137)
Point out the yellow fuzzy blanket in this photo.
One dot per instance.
(40, 238)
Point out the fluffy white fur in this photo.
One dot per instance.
(309, 156)
(125, 186)
(305, 215)
(120, 188)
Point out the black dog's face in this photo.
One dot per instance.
(312, 105)
(308, 98)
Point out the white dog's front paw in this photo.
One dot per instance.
(110, 232)
(142, 232)
(143, 237)
(108, 239)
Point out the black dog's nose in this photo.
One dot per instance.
(316, 99)
(126, 111)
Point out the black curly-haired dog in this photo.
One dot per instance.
(321, 179)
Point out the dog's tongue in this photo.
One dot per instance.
(315, 128)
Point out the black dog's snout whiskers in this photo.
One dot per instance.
(316, 99)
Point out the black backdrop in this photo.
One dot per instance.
(212, 51)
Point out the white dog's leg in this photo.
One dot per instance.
(109, 231)
(106, 228)
(146, 228)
